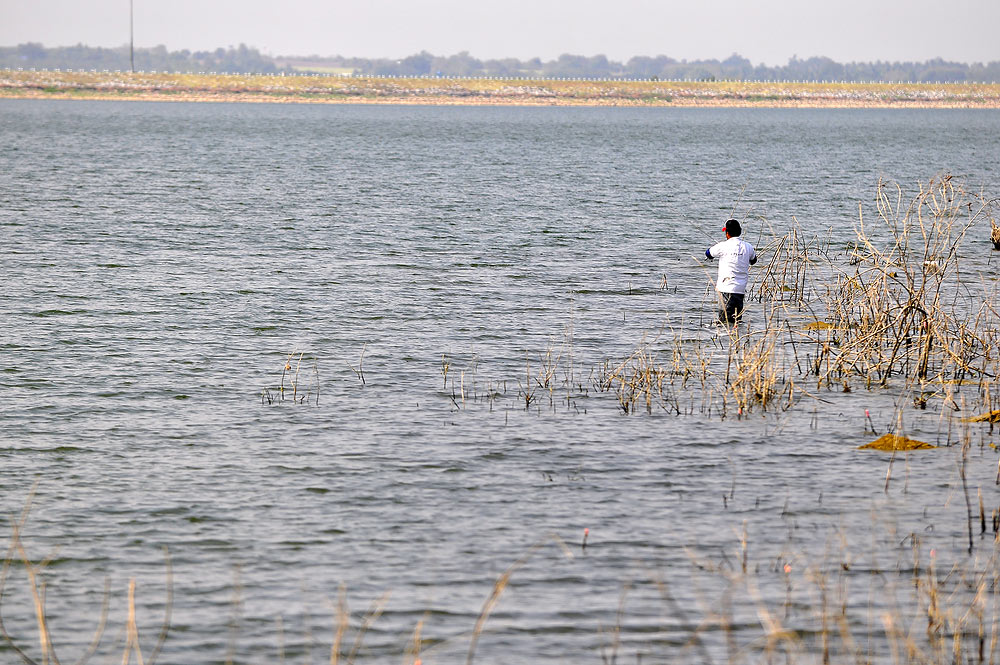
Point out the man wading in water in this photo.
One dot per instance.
(735, 258)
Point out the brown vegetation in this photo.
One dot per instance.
(895, 442)
(895, 312)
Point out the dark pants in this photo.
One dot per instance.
(731, 307)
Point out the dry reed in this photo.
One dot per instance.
(778, 606)
(290, 372)
(17, 553)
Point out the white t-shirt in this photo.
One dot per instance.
(735, 256)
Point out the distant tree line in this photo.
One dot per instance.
(250, 60)
(158, 58)
(666, 68)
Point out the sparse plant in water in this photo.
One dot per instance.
(445, 368)
(638, 381)
(360, 369)
(289, 385)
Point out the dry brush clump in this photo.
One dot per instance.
(904, 313)
(897, 309)
(907, 310)
(900, 310)
(754, 376)
(792, 271)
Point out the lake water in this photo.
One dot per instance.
(161, 262)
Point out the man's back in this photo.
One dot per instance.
(735, 256)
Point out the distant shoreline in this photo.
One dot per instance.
(488, 92)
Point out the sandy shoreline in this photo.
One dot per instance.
(491, 100)
(238, 88)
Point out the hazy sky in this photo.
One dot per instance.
(765, 31)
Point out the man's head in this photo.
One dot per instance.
(733, 228)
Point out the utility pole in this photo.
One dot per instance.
(131, 37)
